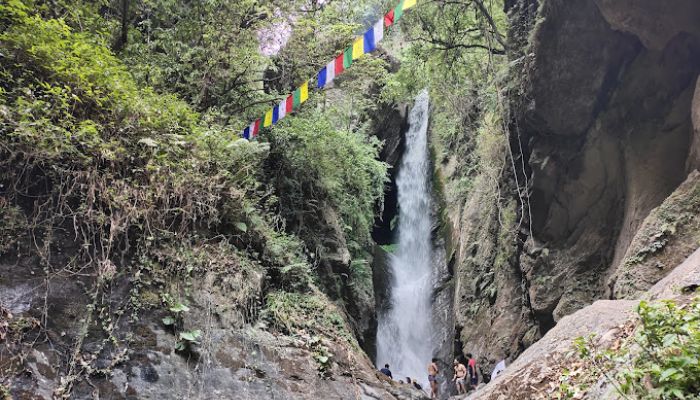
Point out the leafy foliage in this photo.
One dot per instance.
(669, 365)
(659, 361)
(118, 135)
(311, 159)
(310, 313)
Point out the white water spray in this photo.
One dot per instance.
(404, 331)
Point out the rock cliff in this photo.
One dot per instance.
(598, 194)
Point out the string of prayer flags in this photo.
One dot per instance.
(252, 130)
(366, 43)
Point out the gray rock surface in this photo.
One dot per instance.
(606, 115)
(535, 368)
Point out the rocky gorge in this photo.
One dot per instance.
(555, 211)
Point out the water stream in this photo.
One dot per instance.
(404, 331)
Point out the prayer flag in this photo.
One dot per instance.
(389, 19)
(347, 58)
(369, 40)
(398, 11)
(283, 109)
(255, 127)
(378, 31)
(362, 45)
(297, 97)
(290, 104)
(330, 72)
(321, 78)
(304, 92)
(339, 64)
(358, 48)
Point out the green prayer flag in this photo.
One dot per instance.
(297, 98)
(398, 11)
(347, 58)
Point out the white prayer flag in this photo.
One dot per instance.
(379, 31)
(283, 109)
(330, 72)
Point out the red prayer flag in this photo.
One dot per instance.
(256, 127)
(389, 18)
(339, 68)
(290, 104)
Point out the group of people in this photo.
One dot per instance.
(465, 377)
(411, 381)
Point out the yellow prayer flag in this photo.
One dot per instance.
(408, 4)
(358, 48)
(304, 92)
(268, 119)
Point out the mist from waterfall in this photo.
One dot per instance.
(404, 331)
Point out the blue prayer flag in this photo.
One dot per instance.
(275, 114)
(369, 40)
(322, 78)
(246, 133)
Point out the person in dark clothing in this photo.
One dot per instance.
(417, 385)
(386, 371)
(408, 380)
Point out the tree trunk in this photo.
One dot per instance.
(123, 34)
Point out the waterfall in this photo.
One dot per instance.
(404, 331)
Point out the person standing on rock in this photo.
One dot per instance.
(432, 378)
(386, 371)
(473, 375)
(460, 374)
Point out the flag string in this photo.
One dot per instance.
(363, 44)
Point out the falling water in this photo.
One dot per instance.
(404, 331)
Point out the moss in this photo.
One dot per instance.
(438, 190)
(675, 216)
(300, 312)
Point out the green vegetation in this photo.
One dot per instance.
(390, 248)
(310, 313)
(120, 162)
(669, 365)
(336, 167)
(659, 360)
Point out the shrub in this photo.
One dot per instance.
(668, 367)
(314, 164)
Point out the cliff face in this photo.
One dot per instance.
(552, 367)
(603, 133)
